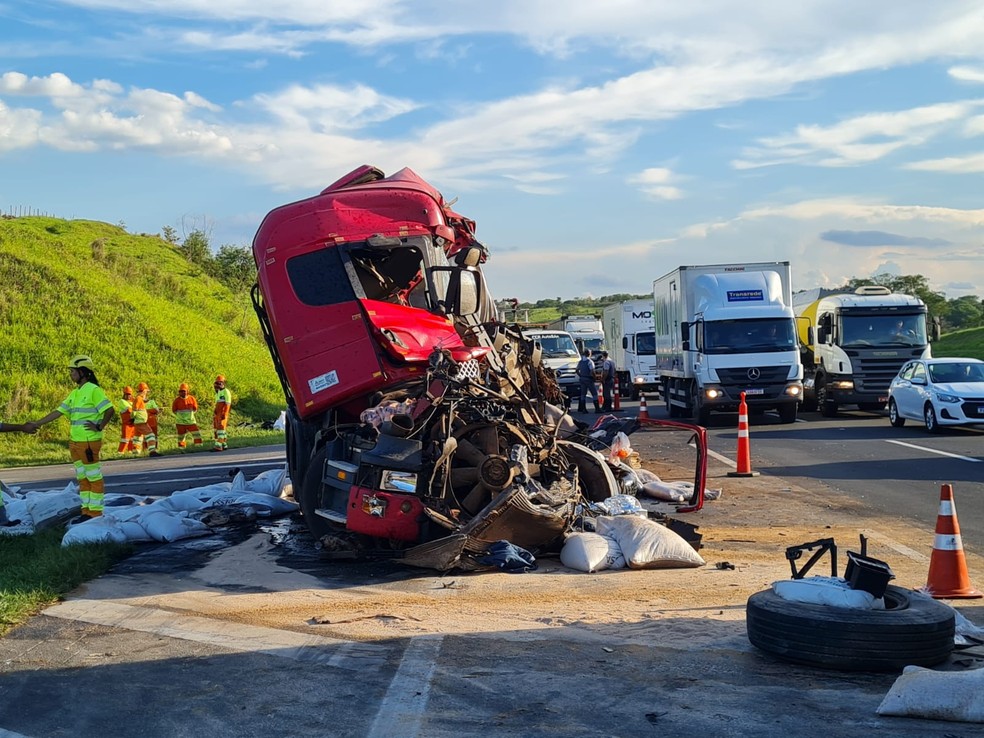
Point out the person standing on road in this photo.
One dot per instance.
(607, 381)
(88, 411)
(125, 408)
(585, 377)
(10, 428)
(184, 407)
(153, 410)
(143, 433)
(220, 415)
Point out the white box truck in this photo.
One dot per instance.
(725, 329)
(632, 345)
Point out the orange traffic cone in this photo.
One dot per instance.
(617, 400)
(744, 451)
(948, 578)
(643, 410)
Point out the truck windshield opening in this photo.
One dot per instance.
(727, 336)
(646, 344)
(555, 346)
(883, 330)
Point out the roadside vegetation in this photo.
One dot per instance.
(37, 571)
(145, 308)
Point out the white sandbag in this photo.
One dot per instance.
(238, 482)
(17, 510)
(270, 482)
(181, 502)
(207, 492)
(676, 491)
(43, 506)
(936, 695)
(265, 504)
(281, 422)
(167, 527)
(646, 476)
(591, 552)
(96, 530)
(647, 544)
(832, 591)
(135, 533)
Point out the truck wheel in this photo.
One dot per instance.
(828, 408)
(310, 497)
(893, 415)
(910, 630)
(787, 412)
(700, 412)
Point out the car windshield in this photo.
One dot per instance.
(557, 345)
(884, 330)
(943, 373)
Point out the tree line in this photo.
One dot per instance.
(231, 265)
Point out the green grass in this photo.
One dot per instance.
(966, 343)
(37, 571)
(139, 308)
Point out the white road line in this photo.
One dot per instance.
(722, 459)
(934, 451)
(896, 546)
(402, 708)
(233, 636)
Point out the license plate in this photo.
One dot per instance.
(758, 391)
(882, 399)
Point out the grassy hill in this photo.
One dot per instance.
(969, 342)
(138, 308)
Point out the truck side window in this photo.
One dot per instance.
(319, 278)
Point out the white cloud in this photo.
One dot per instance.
(331, 107)
(657, 183)
(967, 74)
(857, 140)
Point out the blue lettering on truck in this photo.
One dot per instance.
(744, 295)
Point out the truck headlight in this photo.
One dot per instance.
(712, 393)
(638, 380)
(843, 384)
(945, 397)
(794, 390)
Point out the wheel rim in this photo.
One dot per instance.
(893, 411)
(930, 416)
(822, 395)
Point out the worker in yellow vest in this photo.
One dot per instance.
(88, 411)
(184, 407)
(220, 415)
(143, 434)
(125, 408)
(153, 409)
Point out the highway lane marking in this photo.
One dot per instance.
(896, 546)
(722, 459)
(933, 451)
(402, 708)
(332, 652)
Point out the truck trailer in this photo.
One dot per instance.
(854, 343)
(586, 330)
(723, 330)
(629, 334)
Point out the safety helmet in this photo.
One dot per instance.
(81, 361)
(183, 387)
(143, 386)
(128, 390)
(220, 378)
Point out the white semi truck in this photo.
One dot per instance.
(584, 329)
(854, 343)
(725, 329)
(629, 335)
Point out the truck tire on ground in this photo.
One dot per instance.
(787, 412)
(910, 631)
(827, 408)
(893, 415)
(310, 497)
(700, 413)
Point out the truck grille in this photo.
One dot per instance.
(739, 375)
(876, 374)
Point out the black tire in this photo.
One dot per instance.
(929, 416)
(893, 415)
(310, 497)
(828, 408)
(910, 631)
(699, 411)
(787, 412)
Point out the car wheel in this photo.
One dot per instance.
(893, 414)
(929, 416)
(828, 408)
(911, 630)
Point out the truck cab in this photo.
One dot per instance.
(558, 352)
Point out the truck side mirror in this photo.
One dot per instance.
(685, 335)
(464, 292)
(625, 342)
(811, 336)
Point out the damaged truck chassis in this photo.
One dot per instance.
(418, 427)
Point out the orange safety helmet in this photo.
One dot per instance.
(220, 378)
(183, 387)
(143, 386)
(128, 390)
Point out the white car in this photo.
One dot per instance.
(938, 392)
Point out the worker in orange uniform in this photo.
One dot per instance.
(153, 409)
(125, 408)
(184, 407)
(88, 411)
(143, 434)
(220, 415)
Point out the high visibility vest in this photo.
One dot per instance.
(184, 410)
(139, 410)
(223, 396)
(83, 404)
(124, 408)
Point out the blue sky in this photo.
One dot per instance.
(597, 144)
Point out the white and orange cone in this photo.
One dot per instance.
(948, 577)
(744, 468)
(643, 410)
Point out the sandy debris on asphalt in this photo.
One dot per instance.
(749, 527)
